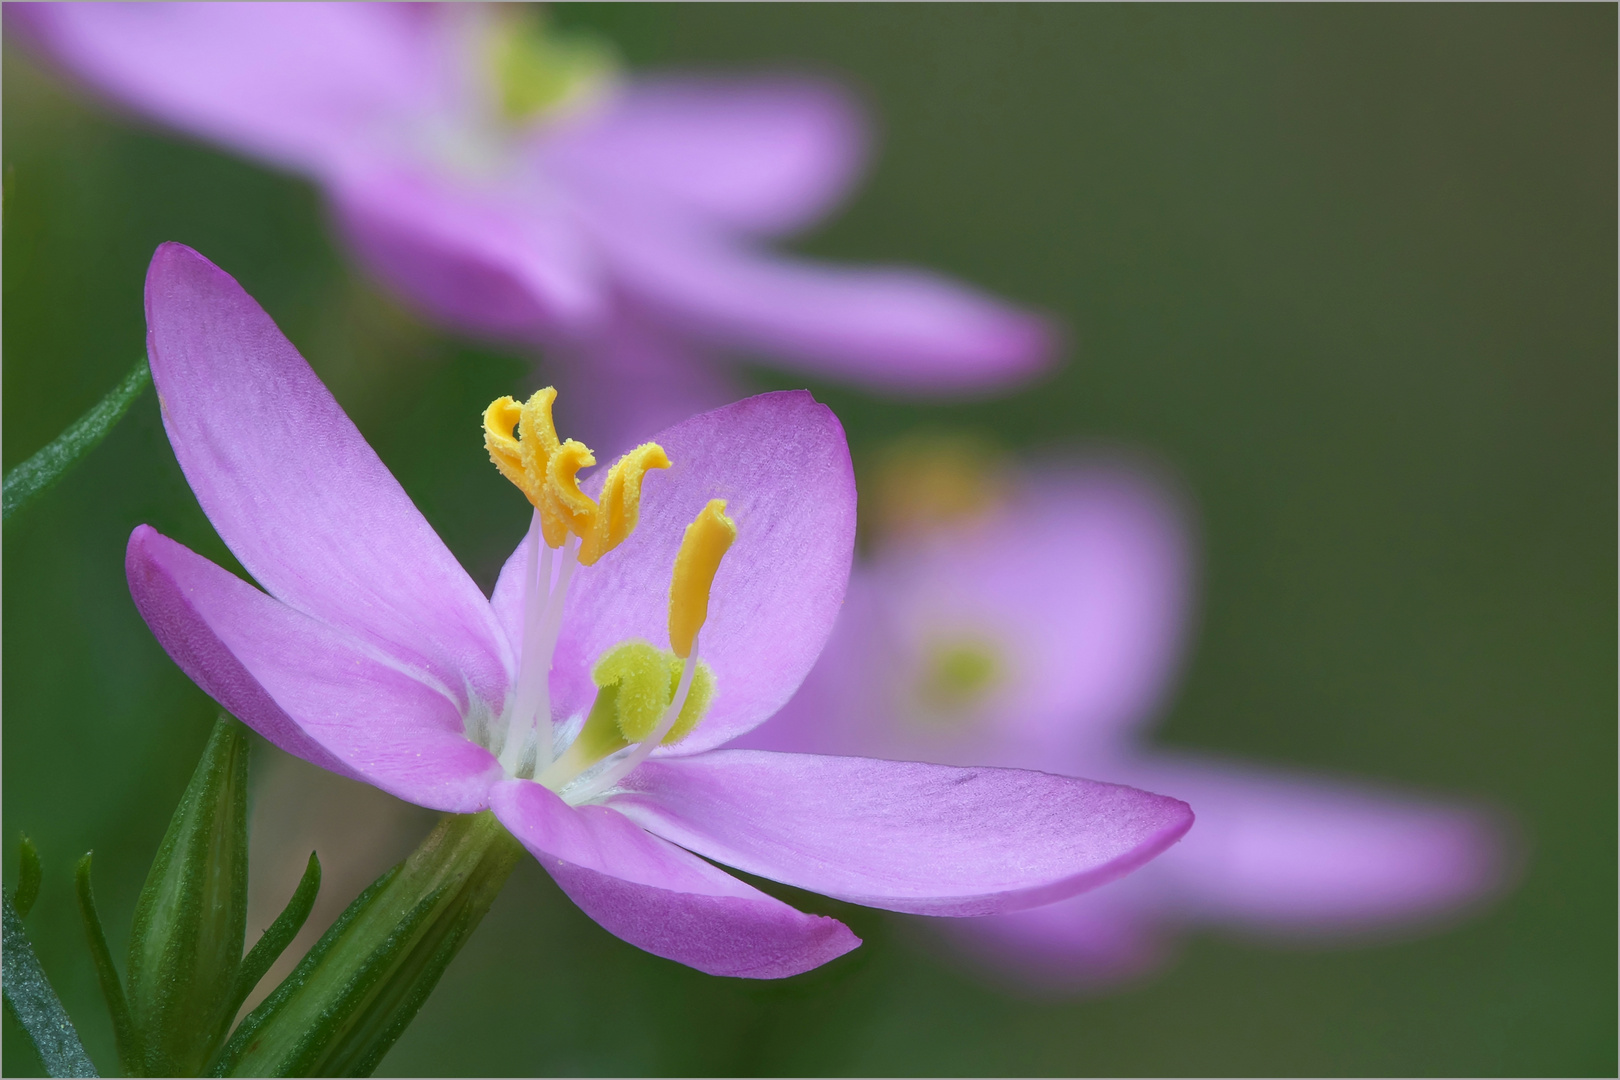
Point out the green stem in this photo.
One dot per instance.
(356, 991)
(52, 461)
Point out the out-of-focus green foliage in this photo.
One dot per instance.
(1347, 270)
(29, 874)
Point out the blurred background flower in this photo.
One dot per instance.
(1034, 618)
(511, 183)
(1348, 271)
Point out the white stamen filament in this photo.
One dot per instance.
(623, 767)
(543, 604)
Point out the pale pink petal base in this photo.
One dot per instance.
(662, 899)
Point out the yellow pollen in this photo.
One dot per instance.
(707, 540)
(546, 471)
(565, 505)
(620, 505)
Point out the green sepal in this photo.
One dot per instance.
(352, 996)
(124, 1033)
(33, 1001)
(185, 945)
(274, 941)
(49, 464)
(28, 877)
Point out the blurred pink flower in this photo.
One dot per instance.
(1043, 632)
(371, 653)
(511, 184)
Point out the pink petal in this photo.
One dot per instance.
(929, 839)
(299, 84)
(662, 899)
(671, 382)
(764, 154)
(294, 490)
(1085, 943)
(311, 689)
(506, 262)
(1080, 585)
(1297, 854)
(1274, 854)
(894, 329)
(781, 462)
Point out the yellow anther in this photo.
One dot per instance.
(539, 433)
(565, 506)
(620, 505)
(546, 471)
(499, 420)
(707, 540)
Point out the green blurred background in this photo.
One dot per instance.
(1348, 271)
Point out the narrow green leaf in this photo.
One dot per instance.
(33, 1001)
(28, 877)
(51, 463)
(352, 997)
(274, 941)
(185, 945)
(106, 972)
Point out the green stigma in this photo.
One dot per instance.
(958, 673)
(643, 680)
(635, 684)
(536, 70)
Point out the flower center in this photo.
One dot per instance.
(957, 674)
(512, 73)
(647, 696)
(538, 71)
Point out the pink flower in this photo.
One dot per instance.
(373, 654)
(951, 651)
(511, 184)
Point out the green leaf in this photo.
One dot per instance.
(274, 941)
(355, 992)
(28, 877)
(106, 972)
(185, 946)
(50, 464)
(33, 1001)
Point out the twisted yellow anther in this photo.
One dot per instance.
(546, 471)
(620, 505)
